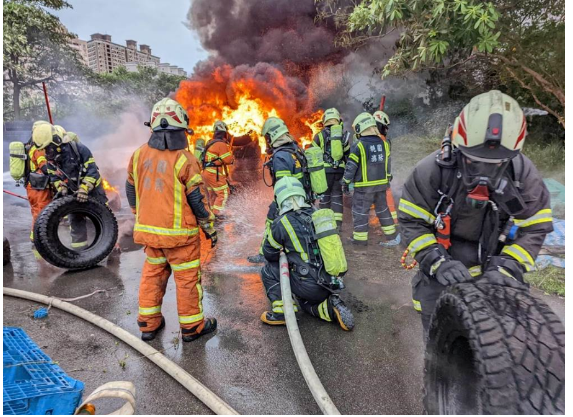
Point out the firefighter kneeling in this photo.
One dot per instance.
(315, 256)
(490, 197)
(164, 191)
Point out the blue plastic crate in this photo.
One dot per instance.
(32, 383)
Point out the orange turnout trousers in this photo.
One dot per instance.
(183, 261)
(38, 199)
(218, 155)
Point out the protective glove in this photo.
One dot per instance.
(345, 187)
(451, 272)
(82, 195)
(212, 236)
(133, 210)
(62, 188)
(496, 277)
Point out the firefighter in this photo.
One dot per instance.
(287, 160)
(369, 168)
(383, 125)
(217, 157)
(72, 169)
(164, 192)
(481, 215)
(336, 146)
(199, 148)
(293, 232)
(38, 180)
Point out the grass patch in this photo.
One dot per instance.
(408, 150)
(548, 157)
(550, 280)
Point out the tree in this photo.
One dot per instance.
(121, 87)
(36, 47)
(523, 41)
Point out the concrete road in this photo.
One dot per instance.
(375, 369)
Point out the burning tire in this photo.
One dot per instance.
(51, 248)
(494, 350)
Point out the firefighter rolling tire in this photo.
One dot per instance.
(55, 252)
(492, 349)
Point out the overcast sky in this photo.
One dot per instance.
(159, 24)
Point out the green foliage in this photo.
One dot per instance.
(550, 280)
(112, 93)
(516, 45)
(36, 47)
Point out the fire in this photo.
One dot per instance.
(244, 100)
(107, 186)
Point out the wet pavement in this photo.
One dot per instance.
(375, 369)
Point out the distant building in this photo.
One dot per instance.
(82, 48)
(104, 56)
(171, 69)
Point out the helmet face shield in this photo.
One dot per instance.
(477, 171)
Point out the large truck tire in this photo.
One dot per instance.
(51, 248)
(492, 349)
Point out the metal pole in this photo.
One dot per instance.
(318, 392)
(47, 102)
(382, 102)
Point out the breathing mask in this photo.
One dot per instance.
(481, 177)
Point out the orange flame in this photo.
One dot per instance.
(107, 186)
(244, 103)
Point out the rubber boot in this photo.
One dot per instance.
(210, 327)
(343, 314)
(394, 242)
(273, 319)
(149, 336)
(256, 259)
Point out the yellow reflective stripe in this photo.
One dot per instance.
(185, 265)
(135, 181)
(200, 291)
(353, 157)
(521, 255)
(225, 155)
(360, 235)
(164, 231)
(387, 149)
(42, 159)
(191, 319)
(89, 161)
(278, 306)
(475, 270)
(389, 230)
(338, 216)
(223, 187)
(363, 164)
(421, 242)
(416, 211)
(505, 272)
(417, 305)
(156, 261)
(323, 310)
(196, 179)
(91, 180)
(294, 238)
(211, 155)
(370, 183)
(213, 171)
(79, 244)
(178, 192)
(98, 182)
(148, 311)
(273, 242)
(542, 216)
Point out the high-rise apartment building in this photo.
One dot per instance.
(105, 56)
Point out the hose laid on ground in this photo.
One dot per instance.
(318, 392)
(216, 404)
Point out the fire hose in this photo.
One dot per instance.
(316, 388)
(15, 195)
(204, 394)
